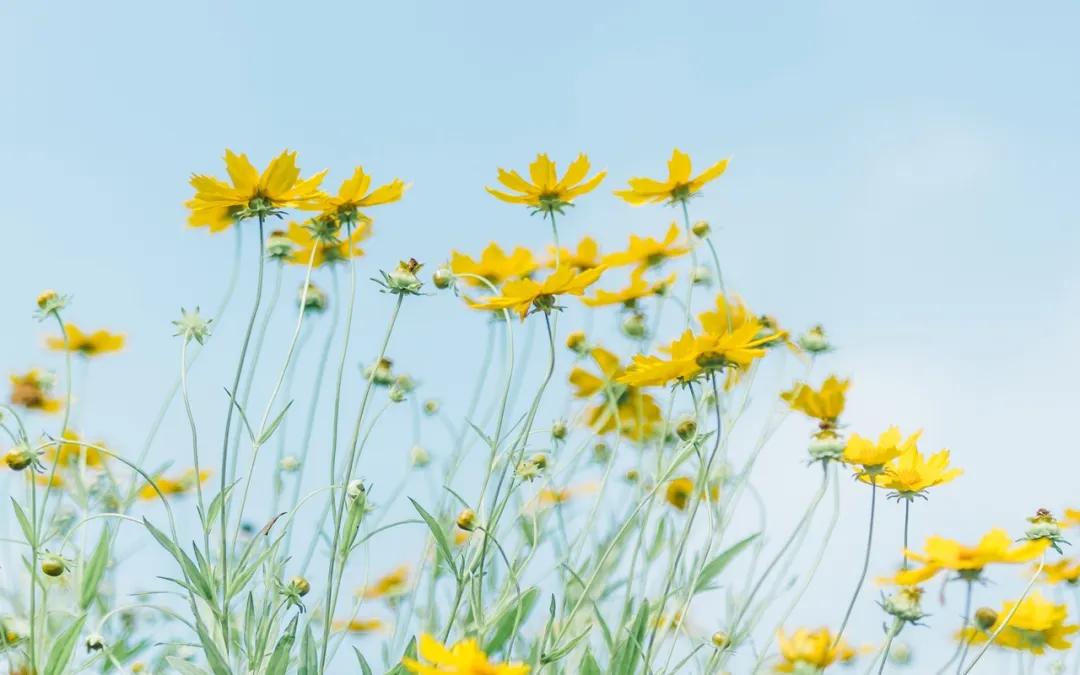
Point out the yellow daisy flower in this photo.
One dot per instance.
(70, 452)
(86, 344)
(911, 474)
(585, 257)
(806, 650)
(326, 253)
(547, 192)
(549, 497)
(354, 194)
(391, 584)
(32, 390)
(649, 251)
(638, 288)
(358, 626)
(824, 404)
(218, 204)
(680, 490)
(463, 658)
(1037, 625)
(523, 295)
(180, 485)
(873, 457)
(494, 264)
(968, 562)
(1071, 519)
(638, 413)
(1064, 571)
(679, 185)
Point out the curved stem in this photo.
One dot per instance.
(866, 563)
(1009, 616)
(194, 444)
(883, 655)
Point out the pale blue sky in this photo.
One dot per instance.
(903, 173)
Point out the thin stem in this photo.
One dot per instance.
(907, 519)
(883, 655)
(866, 563)
(1009, 616)
(194, 443)
(965, 643)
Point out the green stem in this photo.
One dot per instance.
(194, 444)
(1009, 616)
(883, 655)
(865, 566)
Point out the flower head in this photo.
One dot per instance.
(359, 626)
(355, 193)
(679, 185)
(1036, 625)
(585, 257)
(218, 204)
(1064, 571)
(824, 404)
(680, 490)
(86, 344)
(628, 297)
(546, 192)
(622, 406)
(390, 585)
(939, 553)
(191, 326)
(494, 265)
(70, 452)
(179, 485)
(32, 390)
(873, 457)
(328, 249)
(911, 474)
(806, 651)
(524, 295)
(463, 658)
(649, 251)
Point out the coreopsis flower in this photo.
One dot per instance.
(646, 252)
(825, 404)
(327, 250)
(639, 288)
(547, 193)
(1064, 571)
(218, 204)
(1072, 518)
(551, 497)
(70, 452)
(905, 604)
(872, 457)
(353, 195)
(968, 562)
(33, 390)
(403, 280)
(680, 490)
(358, 626)
(815, 341)
(678, 187)
(625, 406)
(49, 303)
(390, 585)
(1044, 526)
(525, 295)
(463, 658)
(910, 474)
(806, 652)
(181, 484)
(494, 264)
(86, 344)
(1037, 625)
(585, 257)
(191, 326)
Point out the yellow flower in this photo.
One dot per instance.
(549, 497)
(1071, 519)
(86, 344)
(585, 257)
(807, 649)
(873, 456)
(394, 583)
(678, 187)
(648, 251)
(353, 195)
(359, 626)
(911, 473)
(1038, 624)
(463, 658)
(70, 452)
(218, 204)
(638, 413)
(824, 404)
(494, 265)
(680, 490)
(967, 561)
(522, 295)
(638, 288)
(32, 390)
(547, 192)
(179, 485)
(1065, 571)
(326, 253)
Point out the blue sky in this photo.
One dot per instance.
(903, 173)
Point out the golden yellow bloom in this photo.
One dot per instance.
(648, 251)
(359, 626)
(968, 561)
(32, 390)
(326, 253)
(873, 456)
(806, 649)
(353, 194)
(391, 584)
(1064, 571)
(824, 404)
(523, 295)
(547, 192)
(585, 257)
(679, 185)
(549, 497)
(494, 265)
(70, 452)
(638, 288)
(463, 658)
(911, 473)
(680, 490)
(1071, 519)
(637, 412)
(182, 484)
(218, 204)
(1037, 625)
(86, 344)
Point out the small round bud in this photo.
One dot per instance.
(396, 393)
(289, 463)
(540, 460)
(19, 457)
(315, 300)
(380, 373)
(905, 604)
(701, 275)
(53, 566)
(633, 326)
(721, 640)
(300, 586)
(826, 446)
(815, 341)
(900, 653)
(442, 278)
(355, 490)
(576, 343)
(45, 298)
(985, 618)
(632, 476)
(419, 457)
(466, 520)
(403, 279)
(431, 407)
(686, 429)
(601, 452)
(278, 245)
(95, 642)
(558, 430)
(700, 229)
(1043, 526)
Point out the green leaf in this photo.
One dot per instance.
(60, 655)
(309, 659)
(510, 619)
(410, 652)
(199, 583)
(279, 660)
(365, 667)
(717, 564)
(215, 506)
(243, 416)
(560, 652)
(24, 522)
(441, 542)
(589, 666)
(184, 667)
(628, 653)
(94, 569)
(274, 425)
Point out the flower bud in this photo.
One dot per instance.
(985, 618)
(558, 430)
(905, 604)
(442, 278)
(601, 452)
(20, 457)
(50, 302)
(701, 275)
(380, 373)
(1043, 526)
(278, 245)
(900, 653)
(419, 457)
(53, 565)
(700, 229)
(355, 490)
(403, 279)
(576, 343)
(95, 642)
(686, 429)
(315, 300)
(289, 463)
(633, 326)
(45, 298)
(540, 460)
(632, 475)
(814, 341)
(466, 520)
(721, 640)
(396, 393)
(300, 586)
(826, 447)
(431, 407)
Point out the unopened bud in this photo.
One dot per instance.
(419, 457)
(721, 640)
(576, 343)
(633, 326)
(278, 245)
(442, 278)
(95, 642)
(985, 618)
(686, 429)
(289, 463)
(700, 229)
(53, 566)
(466, 520)
(300, 586)
(431, 407)
(558, 430)
(19, 457)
